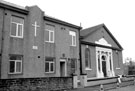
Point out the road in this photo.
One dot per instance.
(128, 88)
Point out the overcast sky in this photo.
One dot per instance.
(117, 15)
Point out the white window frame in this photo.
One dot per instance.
(15, 72)
(89, 61)
(50, 31)
(50, 62)
(17, 24)
(73, 35)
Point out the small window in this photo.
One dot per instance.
(118, 59)
(49, 65)
(15, 64)
(17, 25)
(49, 33)
(73, 65)
(73, 38)
(87, 58)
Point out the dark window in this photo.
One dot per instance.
(49, 65)
(15, 64)
(12, 66)
(73, 65)
(87, 58)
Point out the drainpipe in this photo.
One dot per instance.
(80, 52)
(2, 40)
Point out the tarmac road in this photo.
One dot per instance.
(128, 88)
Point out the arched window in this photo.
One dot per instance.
(87, 58)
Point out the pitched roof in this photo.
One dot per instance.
(88, 31)
(11, 4)
(53, 19)
(14, 7)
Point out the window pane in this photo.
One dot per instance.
(49, 58)
(50, 27)
(72, 63)
(52, 36)
(13, 29)
(86, 62)
(18, 57)
(13, 57)
(74, 40)
(87, 57)
(52, 67)
(17, 19)
(18, 66)
(47, 35)
(47, 67)
(12, 67)
(19, 30)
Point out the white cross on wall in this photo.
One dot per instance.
(35, 26)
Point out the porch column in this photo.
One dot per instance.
(99, 63)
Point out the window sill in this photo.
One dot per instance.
(88, 69)
(49, 72)
(15, 73)
(49, 42)
(73, 45)
(117, 68)
(20, 37)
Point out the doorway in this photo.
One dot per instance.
(104, 69)
(62, 68)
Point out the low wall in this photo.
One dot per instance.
(110, 83)
(98, 81)
(127, 81)
(107, 83)
(36, 84)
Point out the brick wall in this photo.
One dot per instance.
(36, 84)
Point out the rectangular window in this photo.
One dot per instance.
(17, 25)
(73, 38)
(49, 33)
(73, 65)
(49, 65)
(15, 64)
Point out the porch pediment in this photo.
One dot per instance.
(102, 41)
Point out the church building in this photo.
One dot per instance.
(101, 53)
(33, 44)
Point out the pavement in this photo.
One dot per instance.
(128, 88)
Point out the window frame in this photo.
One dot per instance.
(15, 63)
(73, 36)
(50, 62)
(17, 27)
(118, 63)
(87, 52)
(50, 31)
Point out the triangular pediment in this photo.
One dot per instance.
(99, 35)
(102, 41)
